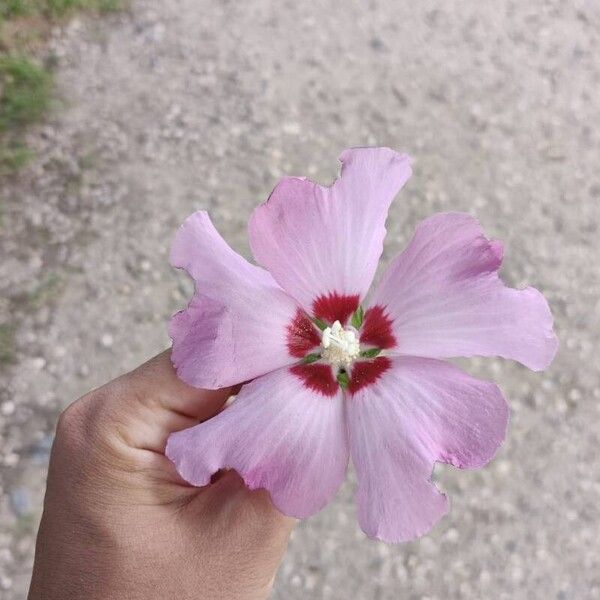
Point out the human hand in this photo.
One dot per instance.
(120, 524)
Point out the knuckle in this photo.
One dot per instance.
(71, 418)
(99, 422)
(76, 420)
(70, 434)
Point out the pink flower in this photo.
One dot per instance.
(329, 380)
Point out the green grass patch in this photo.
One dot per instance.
(108, 6)
(10, 9)
(14, 8)
(25, 85)
(13, 157)
(25, 95)
(59, 8)
(7, 344)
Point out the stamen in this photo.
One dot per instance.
(340, 346)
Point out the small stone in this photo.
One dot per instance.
(39, 362)
(107, 340)
(452, 535)
(20, 502)
(5, 582)
(7, 408)
(503, 467)
(11, 459)
(291, 128)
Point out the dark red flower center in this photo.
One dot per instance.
(317, 377)
(366, 372)
(377, 329)
(302, 335)
(309, 339)
(335, 307)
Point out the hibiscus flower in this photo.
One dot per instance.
(331, 375)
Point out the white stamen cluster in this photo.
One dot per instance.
(340, 346)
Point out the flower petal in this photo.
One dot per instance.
(421, 411)
(318, 377)
(278, 435)
(446, 299)
(319, 242)
(365, 373)
(377, 329)
(239, 324)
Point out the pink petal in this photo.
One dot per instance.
(278, 435)
(421, 411)
(239, 324)
(446, 299)
(318, 241)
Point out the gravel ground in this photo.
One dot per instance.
(188, 104)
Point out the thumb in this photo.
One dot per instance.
(151, 402)
(156, 384)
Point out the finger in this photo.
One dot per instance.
(151, 402)
(156, 383)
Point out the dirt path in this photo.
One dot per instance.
(188, 104)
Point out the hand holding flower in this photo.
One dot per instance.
(120, 524)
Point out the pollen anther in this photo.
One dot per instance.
(340, 346)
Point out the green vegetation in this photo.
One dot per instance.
(59, 8)
(13, 8)
(7, 354)
(13, 156)
(53, 9)
(25, 92)
(25, 80)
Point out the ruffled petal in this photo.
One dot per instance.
(240, 324)
(278, 434)
(324, 242)
(421, 411)
(446, 300)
